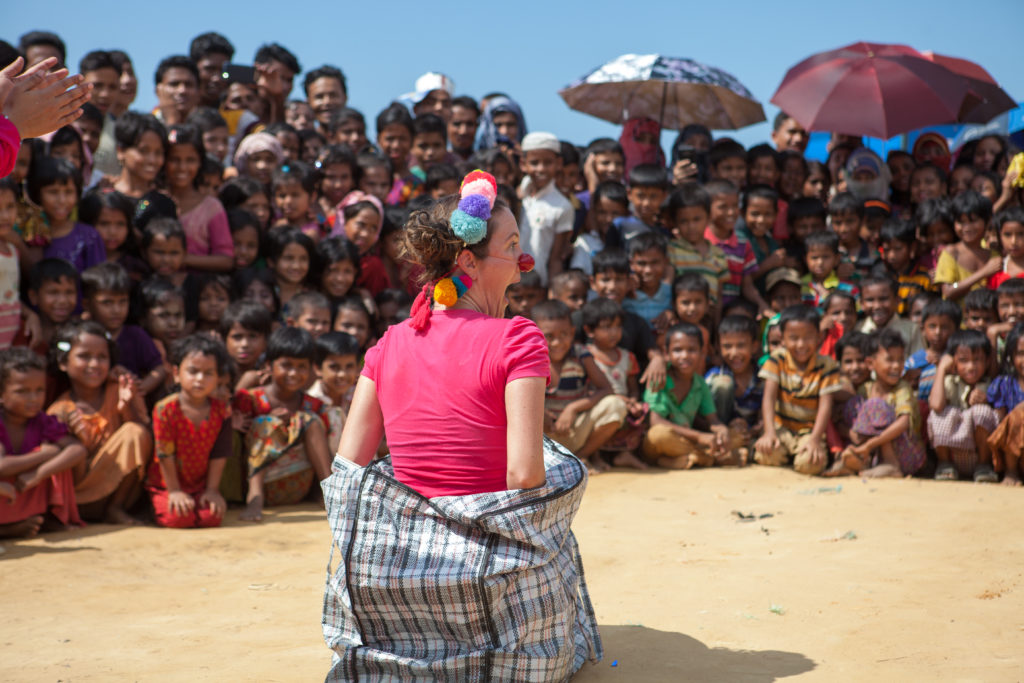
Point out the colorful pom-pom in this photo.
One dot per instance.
(468, 228)
(445, 292)
(476, 205)
(480, 187)
(462, 284)
(478, 175)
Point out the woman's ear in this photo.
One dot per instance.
(467, 263)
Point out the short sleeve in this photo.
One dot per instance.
(707, 403)
(50, 428)
(163, 428)
(634, 366)
(526, 352)
(94, 252)
(659, 402)
(565, 220)
(829, 376)
(219, 233)
(749, 260)
(770, 370)
(945, 269)
(1000, 393)
(371, 359)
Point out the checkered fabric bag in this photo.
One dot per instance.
(469, 588)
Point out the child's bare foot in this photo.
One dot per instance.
(733, 458)
(7, 490)
(881, 471)
(596, 465)
(838, 469)
(1011, 481)
(851, 460)
(116, 515)
(52, 524)
(26, 528)
(628, 459)
(253, 511)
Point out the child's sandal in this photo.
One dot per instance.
(946, 472)
(984, 474)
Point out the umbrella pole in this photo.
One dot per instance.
(661, 116)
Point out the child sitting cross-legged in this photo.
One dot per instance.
(885, 433)
(961, 418)
(286, 444)
(192, 435)
(941, 318)
(735, 387)
(798, 395)
(580, 410)
(672, 442)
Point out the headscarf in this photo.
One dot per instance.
(941, 160)
(877, 188)
(684, 134)
(637, 152)
(488, 134)
(354, 197)
(255, 143)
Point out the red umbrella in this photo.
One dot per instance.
(986, 100)
(871, 89)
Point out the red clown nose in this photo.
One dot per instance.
(526, 263)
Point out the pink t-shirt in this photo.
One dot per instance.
(442, 394)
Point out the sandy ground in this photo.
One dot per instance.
(881, 580)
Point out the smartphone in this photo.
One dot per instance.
(239, 73)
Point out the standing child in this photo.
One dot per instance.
(245, 327)
(1005, 394)
(840, 316)
(736, 389)
(163, 318)
(374, 176)
(337, 369)
(672, 442)
(249, 195)
(934, 221)
(55, 186)
(105, 291)
(823, 261)
(608, 203)
(290, 254)
(687, 211)
(338, 175)
(804, 216)
(967, 264)
(259, 285)
(739, 256)
(648, 259)
(363, 221)
(310, 311)
(286, 444)
(961, 419)
(1009, 225)
(11, 309)
(571, 287)
(878, 299)
(798, 395)
(727, 160)
(602, 323)
(648, 187)
(691, 304)
(759, 212)
(522, 296)
(940, 320)
(293, 188)
(207, 236)
(981, 310)
(429, 144)
(110, 212)
(547, 216)
(394, 138)
(339, 267)
(888, 420)
(899, 252)
(53, 291)
(163, 249)
(1010, 309)
(39, 456)
(580, 412)
(207, 297)
(846, 214)
(108, 416)
(353, 317)
(192, 434)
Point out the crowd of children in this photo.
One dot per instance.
(188, 294)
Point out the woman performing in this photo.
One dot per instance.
(456, 557)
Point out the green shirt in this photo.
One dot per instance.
(682, 413)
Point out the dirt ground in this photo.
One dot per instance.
(818, 580)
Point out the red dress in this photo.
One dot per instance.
(192, 446)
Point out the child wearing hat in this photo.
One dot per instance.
(545, 227)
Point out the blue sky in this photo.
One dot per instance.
(531, 49)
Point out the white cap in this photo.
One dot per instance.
(536, 141)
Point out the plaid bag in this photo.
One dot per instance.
(480, 587)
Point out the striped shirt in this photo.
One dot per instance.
(799, 390)
(910, 284)
(685, 257)
(573, 382)
(740, 259)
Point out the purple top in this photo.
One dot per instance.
(82, 246)
(40, 429)
(136, 351)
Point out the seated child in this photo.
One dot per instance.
(1005, 394)
(933, 219)
(878, 299)
(840, 318)
(822, 254)
(851, 354)
(309, 311)
(981, 310)
(337, 369)
(846, 213)
(38, 454)
(207, 296)
(672, 442)
(602, 324)
(782, 287)
(108, 415)
(245, 328)
(525, 294)
(648, 259)
(163, 249)
(690, 304)
(105, 291)
(941, 318)
(441, 180)
(581, 413)
(607, 203)
(1009, 225)
(961, 419)
(571, 288)
(886, 432)
(192, 434)
(163, 319)
(798, 395)
(1010, 309)
(53, 291)
(967, 264)
(916, 304)
(286, 445)
(899, 252)
(735, 387)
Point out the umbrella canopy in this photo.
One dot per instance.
(985, 100)
(871, 89)
(675, 92)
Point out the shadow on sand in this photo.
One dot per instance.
(646, 654)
